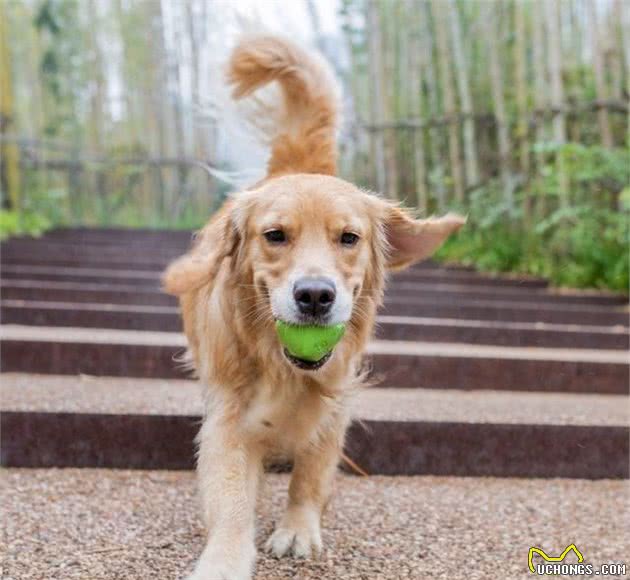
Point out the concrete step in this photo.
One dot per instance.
(118, 262)
(127, 258)
(147, 424)
(154, 241)
(138, 251)
(138, 279)
(114, 235)
(147, 525)
(507, 311)
(74, 292)
(94, 275)
(426, 290)
(98, 274)
(447, 306)
(500, 333)
(59, 350)
(147, 263)
(457, 292)
(469, 278)
(167, 319)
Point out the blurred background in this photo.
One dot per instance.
(515, 112)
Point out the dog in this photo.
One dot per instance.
(305, 247)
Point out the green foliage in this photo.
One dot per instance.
(583, 245)
(595, 173)
(42, 208)
(118, 194)
(46, 19)
(15, 223)
(62, 63)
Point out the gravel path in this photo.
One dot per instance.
(123, 525)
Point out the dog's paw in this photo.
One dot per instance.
(302, 542)
(213, 572)
(219, 571)
(222, 564)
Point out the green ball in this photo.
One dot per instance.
(311, 343)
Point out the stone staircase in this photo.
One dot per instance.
(503, 402)
(475, 375)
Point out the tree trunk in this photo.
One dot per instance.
(98, 100)
(625, 38)
(194, 25)
(495, 49)
(441, 30)
(416, 102)
(521, 98)
(437, 174)
(388, 21)
(574, 64)
(557, 93)
(540, 100)
(463, 85)
(600, 75)
(616, 48)
(521, 85)
(156, 81)
(10, 158)
(376, 97)
(179, 114)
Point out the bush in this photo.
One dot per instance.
(41, 210)
(13, 223)
(583, 245)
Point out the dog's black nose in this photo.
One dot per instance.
(314, 296)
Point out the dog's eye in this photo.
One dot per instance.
(275, 236)
(349, 239)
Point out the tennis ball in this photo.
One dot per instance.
(311, 343)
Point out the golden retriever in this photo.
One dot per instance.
(304, 247)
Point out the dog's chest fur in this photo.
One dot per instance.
(288, 417)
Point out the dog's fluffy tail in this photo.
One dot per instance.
(305, 140)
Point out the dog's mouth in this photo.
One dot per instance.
(307, 365)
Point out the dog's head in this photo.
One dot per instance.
(308, 249)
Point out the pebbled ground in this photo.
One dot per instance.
(122, 525)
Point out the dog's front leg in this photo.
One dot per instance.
(314, 469)
(228, 470)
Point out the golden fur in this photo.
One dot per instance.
(257, 402)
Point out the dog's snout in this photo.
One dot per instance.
(314, 296)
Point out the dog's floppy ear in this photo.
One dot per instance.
(411, 240)
(215, 242)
